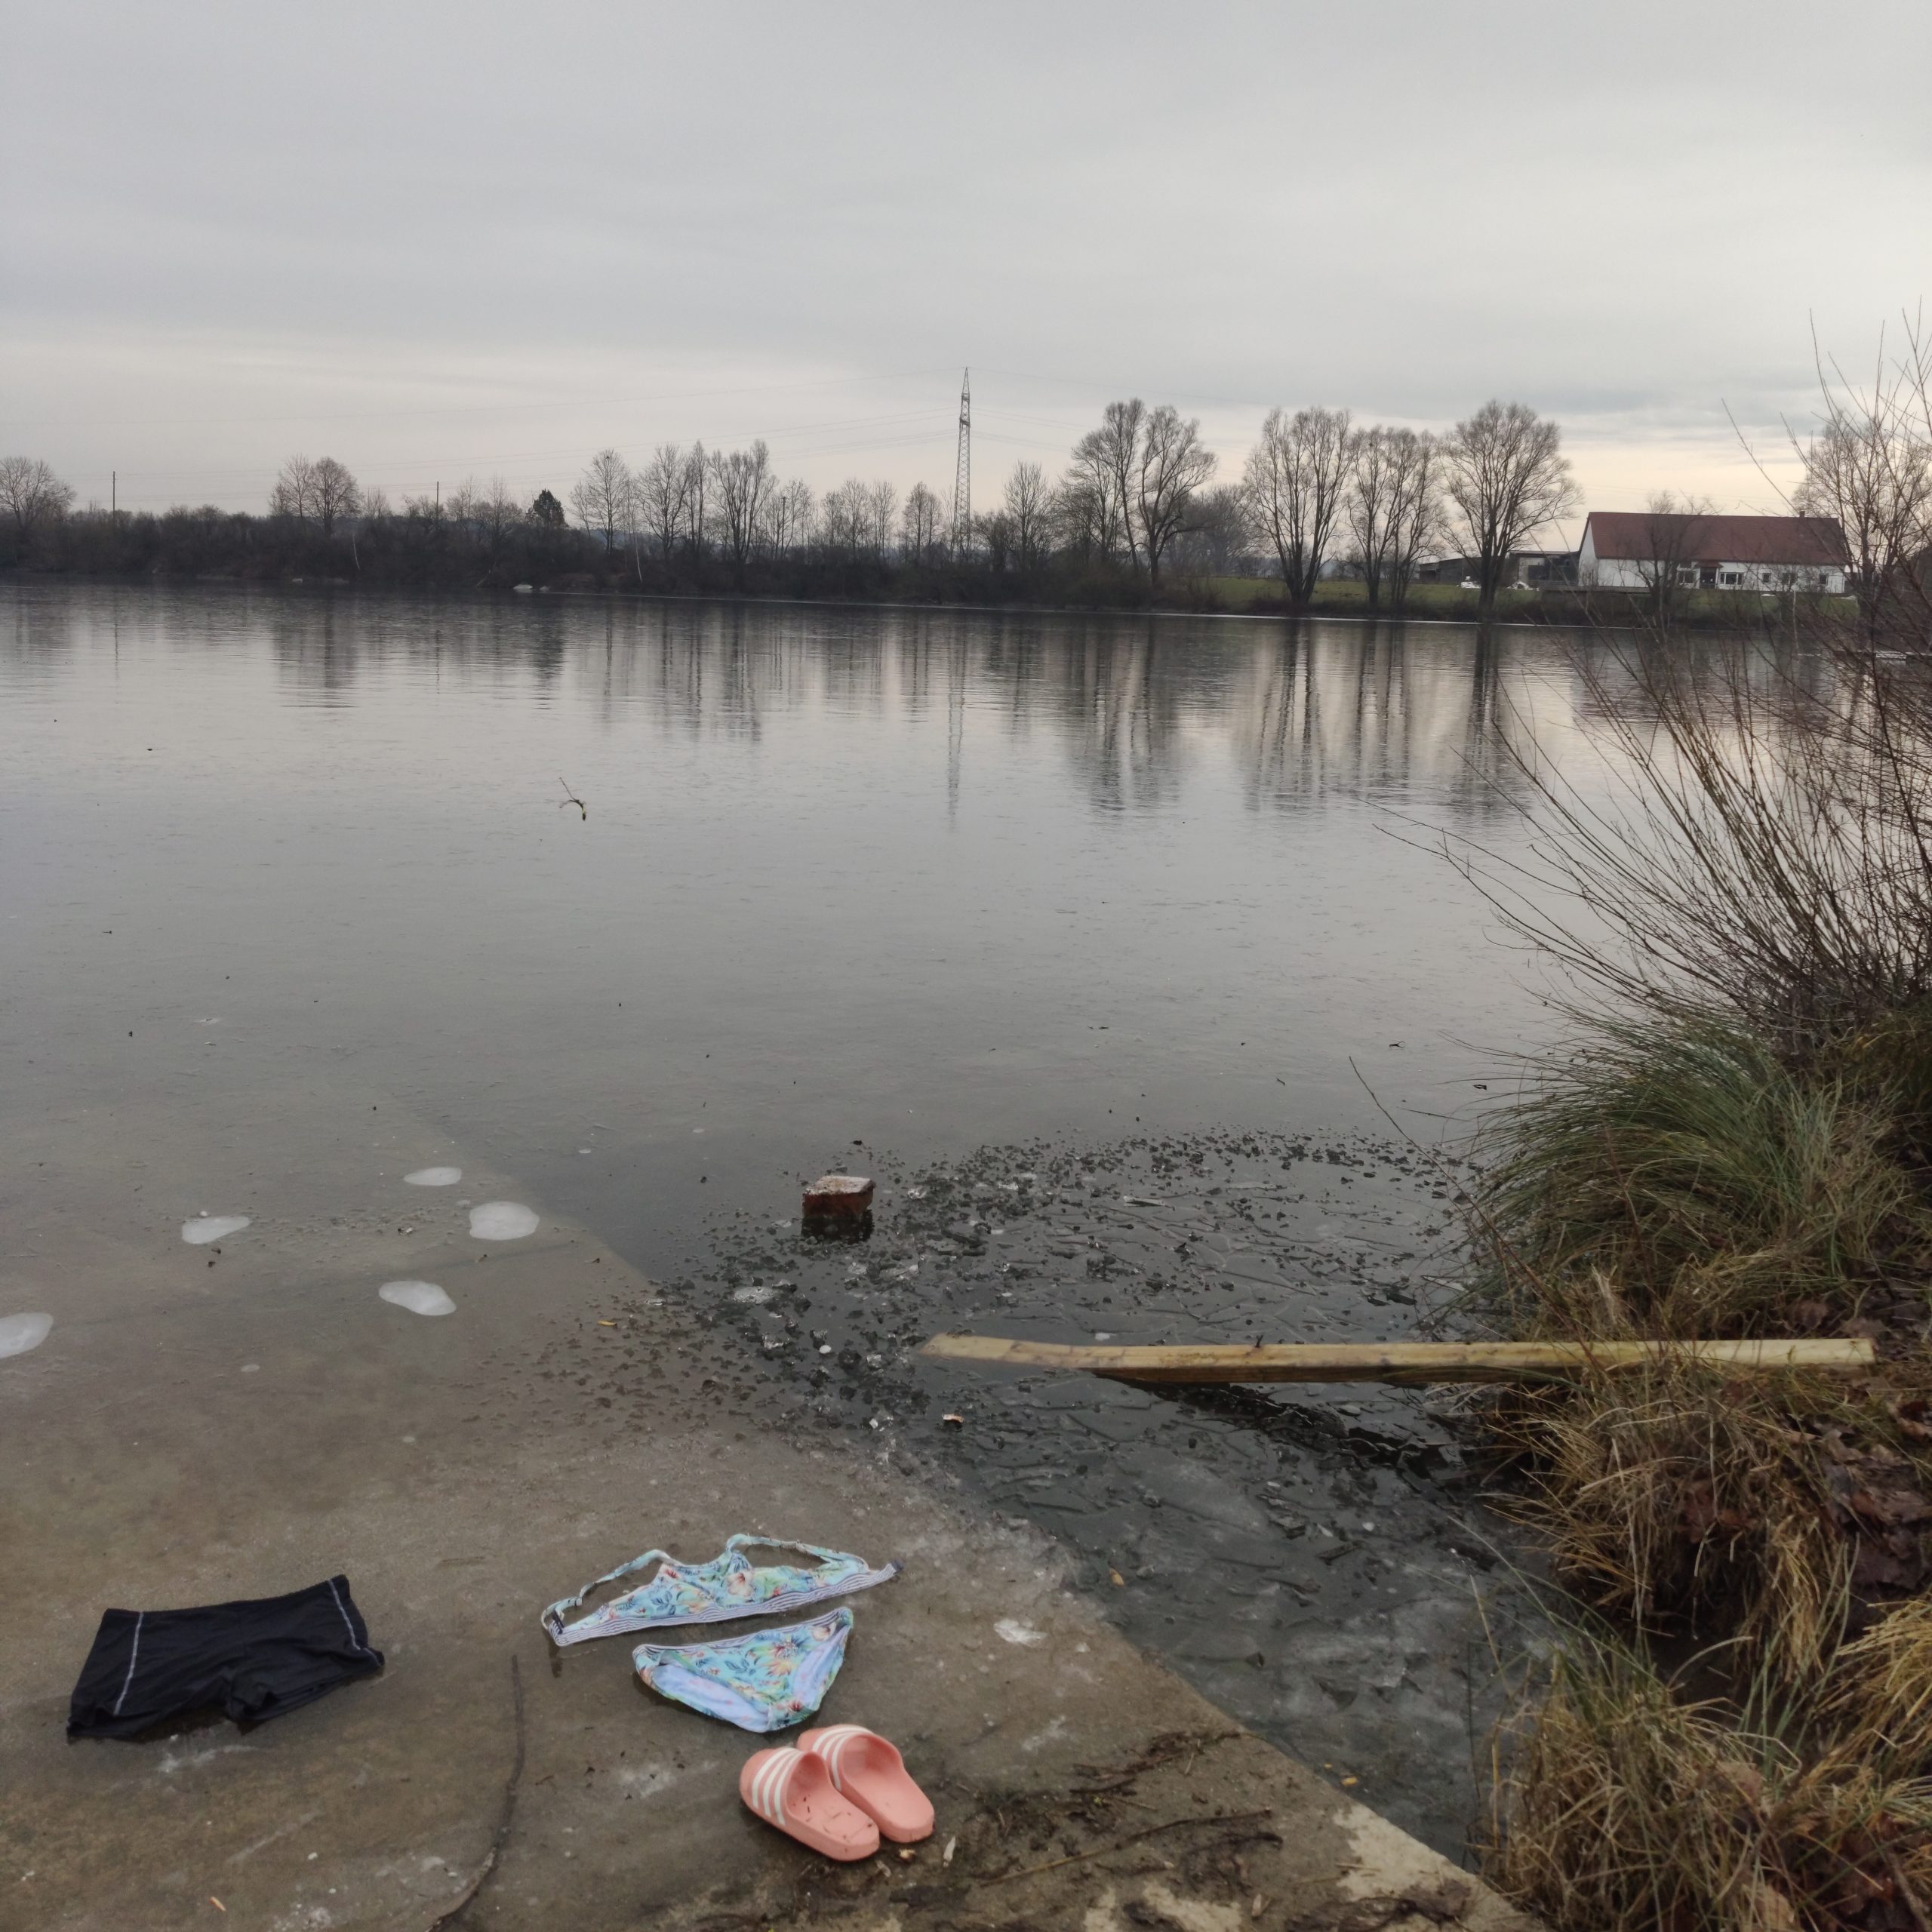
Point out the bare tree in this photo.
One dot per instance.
(882, 507)
(1297, 475)
(463, 506)
(1080, 518)
(1370, 507)
(1218, 533)
(499, 516)
(1028, 503)
(1505, 471)
(663, 488)
(1870, 468)
(295, 491)
(697, 520)
(743, 483)
(337, 493)
(604, 496)
(1673, 528)
(1173, 464)
(1415, 506)
(994, 531)
(31, 496)
(1102, 471)
(792, 510)
(919, 525)
(846, 517)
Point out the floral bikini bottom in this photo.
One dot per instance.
(763, 1682)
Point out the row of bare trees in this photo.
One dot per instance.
(1316, 490)
(1382, 498)
(1317, 493)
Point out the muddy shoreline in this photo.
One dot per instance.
(1318, 1561)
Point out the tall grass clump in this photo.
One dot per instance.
(1672, 1177)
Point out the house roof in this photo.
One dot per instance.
(1637, 536)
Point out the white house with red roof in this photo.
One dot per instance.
(1637, 549)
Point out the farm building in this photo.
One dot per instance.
(1636, 549)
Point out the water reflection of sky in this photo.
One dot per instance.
(930, 878)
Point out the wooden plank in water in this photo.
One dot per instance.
(1390, 1361)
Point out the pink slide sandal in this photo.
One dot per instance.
(871, 1772)
(793, 1790)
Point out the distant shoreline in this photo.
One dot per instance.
(1565, 608)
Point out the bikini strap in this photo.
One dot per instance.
(553, 1618)
(742, 1542)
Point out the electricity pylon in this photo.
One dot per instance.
(962, 478)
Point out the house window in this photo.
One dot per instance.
(1730, 579)
(1686, 573)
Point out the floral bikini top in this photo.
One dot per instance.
(730, 1586)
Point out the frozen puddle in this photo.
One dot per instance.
(18, 1333)
(419, 1297)
(434, 1177)
(502, 1221)
(205, 1228)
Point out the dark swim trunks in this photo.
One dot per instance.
(253, 1660)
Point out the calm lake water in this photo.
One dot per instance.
(1092, 932)
(928, 880)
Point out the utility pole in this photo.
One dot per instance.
(962, 475)
(113, 494)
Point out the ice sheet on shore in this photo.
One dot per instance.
(419, 1297)
(21, 1333)
(205, 1228)
(502, 1221)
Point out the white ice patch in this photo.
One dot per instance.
(18, 1333)
(1016, 1632)
(434, 1177)
(419, 1297)
(205, 1228)
(757, 1292)
(501, 1220)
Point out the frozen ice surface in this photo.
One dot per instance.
(419, 1297)
(434, 1177)
(502, 1221)
(20, 1333)
(205, 1228)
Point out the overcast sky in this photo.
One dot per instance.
(440, 240)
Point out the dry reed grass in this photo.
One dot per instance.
(1686, 1503)
(1623, 1806)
